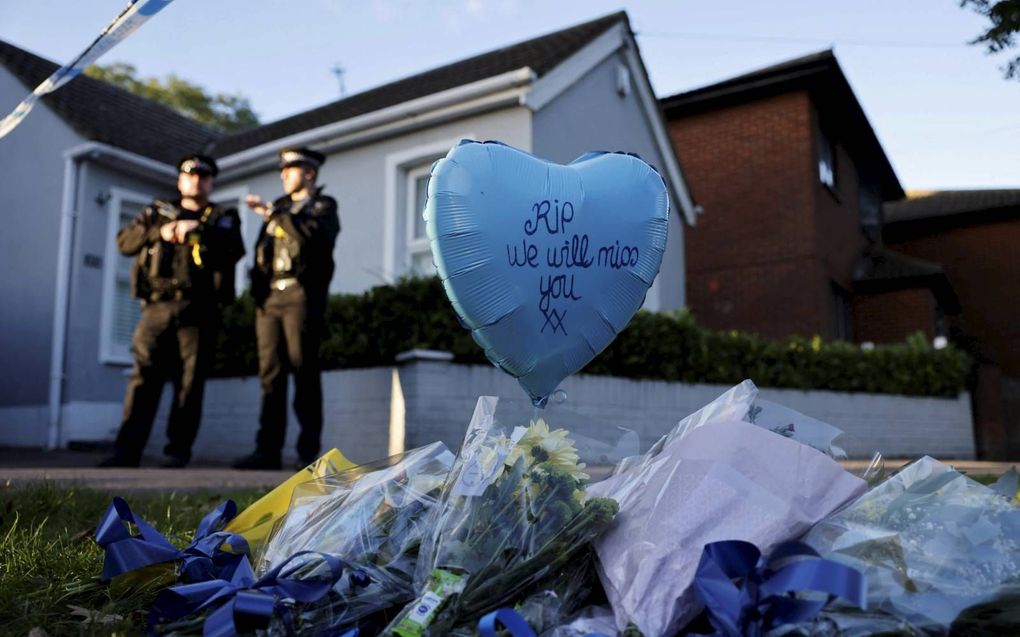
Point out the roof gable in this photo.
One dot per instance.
(819, 74)
(961, 205)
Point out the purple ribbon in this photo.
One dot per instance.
(203, 559)
(763, 595)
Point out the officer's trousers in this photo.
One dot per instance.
(174, 340)
(288, 328)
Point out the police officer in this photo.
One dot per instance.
(185, 252)
(290, 284)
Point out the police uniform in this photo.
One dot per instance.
(290, 285)
(181, 288)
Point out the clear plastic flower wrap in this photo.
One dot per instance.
(793, 424)
(513, 513)
(714, 477)
(938, 549)
(374, 518)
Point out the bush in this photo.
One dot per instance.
(370, 329)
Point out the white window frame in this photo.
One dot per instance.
(398, 165)
(241, 282)
(415, 245)
(110, 353)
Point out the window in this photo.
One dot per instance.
(870, 204)
(419, 252)
(842, 314)
(405, 248)
(120, 309)
(826, 159)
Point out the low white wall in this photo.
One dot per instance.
(370, 413)
(24, 426)
(356, 409)
(898, 426)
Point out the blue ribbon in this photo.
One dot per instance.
(764, 598)
(244, 603)
(509, 619)
(203, 559)
(512, 622)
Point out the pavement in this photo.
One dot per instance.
(19, 467)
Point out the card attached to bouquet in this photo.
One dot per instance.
(443, 585)
(482, 465)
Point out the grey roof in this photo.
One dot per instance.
(541, 54)
(104, 113)
(880, 269)
(946, 203)
(775, 73)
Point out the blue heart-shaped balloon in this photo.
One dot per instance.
(544, 263)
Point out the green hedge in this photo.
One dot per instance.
(370, 329)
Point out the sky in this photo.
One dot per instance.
(941, 108)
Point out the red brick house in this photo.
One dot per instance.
(801, 234)
(974, 235)
(792, 178)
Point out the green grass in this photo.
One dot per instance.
(49, 562)
(986, 479)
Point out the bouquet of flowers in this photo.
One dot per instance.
(714, 477)
(374, 518)
(352, 536)
(932, 544)
(513, 513)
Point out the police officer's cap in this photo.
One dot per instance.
(199, 165)
(301, 157)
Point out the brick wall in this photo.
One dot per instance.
(838, 235)
(772, 238)
(982, 266)
(893, 316)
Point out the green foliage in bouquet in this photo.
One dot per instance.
(494, 546)
(370, 329)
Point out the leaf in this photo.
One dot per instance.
(94, 616)
(84, 534)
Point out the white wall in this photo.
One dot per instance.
(90, 379)
(372, 412)
(356, 405)
(366, 182)
(31, 180)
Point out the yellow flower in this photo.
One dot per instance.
(544, 449)
(816, 343)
